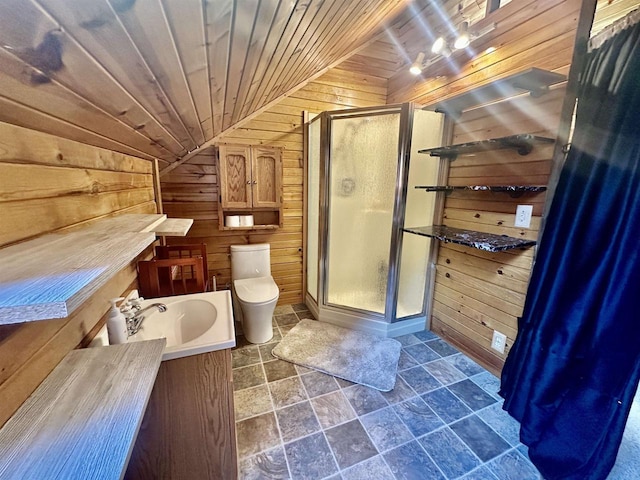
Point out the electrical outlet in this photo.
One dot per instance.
(499, 341)
(523, 216)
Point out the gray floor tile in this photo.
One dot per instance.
(344, 383)
(251, 401)
(270, 465)
(243, 357)
(374, 468)
(482, 473)
(350, 443)
(386, 429)
(318, 383)
(287, 391)
(364, 399)
(406, 361)
(417, 416)
(419, 379)
(445, 372)
(297, 421)
(286, 320)
(480, 438)
(513, 466)
(276, 336)
(257, 434)
(410, 462)
(305, 314)
(465, 364)
(421, 353)
(448, 407)
(310, 458)
(472, 395)
(284, 329)
(407, 340)
(242, 342)
(279, 369)
(503, 423)
(488, 382)
(246, 377)
(296, 307)
(426, 335)
(401, 392)
(332, 409)
(449, 452)
(265, 351)
(283, 309)
(442, 347)
(302, 370)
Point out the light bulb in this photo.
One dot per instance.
(463, 39)
(416, 67)
(438, 45)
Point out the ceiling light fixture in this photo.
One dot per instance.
(463, 39)
(416, 67)
(442, 47)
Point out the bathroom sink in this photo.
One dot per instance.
(193, 324)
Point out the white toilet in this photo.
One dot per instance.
(255, 294)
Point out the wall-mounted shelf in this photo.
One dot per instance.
(523, 144)
(535, 81)
(514, 191)
(470, 238)
(253, 227)
(51, 276)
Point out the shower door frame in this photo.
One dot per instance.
(395, 249)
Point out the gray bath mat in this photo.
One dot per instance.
(355, 356)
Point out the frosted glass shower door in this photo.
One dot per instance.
(362, 183)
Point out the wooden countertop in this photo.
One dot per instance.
(83, 420)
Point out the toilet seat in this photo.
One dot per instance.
(256, 290)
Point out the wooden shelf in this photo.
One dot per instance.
(470, 238)
(83, 420)
(52, 275)
(535, 81)
(253, 227)
(523, 144)
(513, 190)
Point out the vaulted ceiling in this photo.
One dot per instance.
(160, 78)
(163, 78)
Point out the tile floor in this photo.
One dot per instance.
(443, 420)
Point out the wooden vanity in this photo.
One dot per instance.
(188, 430)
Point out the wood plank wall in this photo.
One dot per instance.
(477, 292)
(191, 189)
(46, 184)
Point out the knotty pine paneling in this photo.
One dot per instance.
(48, 183)
(191, 190)
(477, 292)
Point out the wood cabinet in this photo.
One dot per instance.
(188, 430)
(250, 183)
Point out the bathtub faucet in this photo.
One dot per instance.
(135, 323)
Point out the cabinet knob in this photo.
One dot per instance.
(248, 182)
(254, 182)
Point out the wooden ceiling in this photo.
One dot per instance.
(165, 78)
(160, 78)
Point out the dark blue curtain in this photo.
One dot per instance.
(573, 370)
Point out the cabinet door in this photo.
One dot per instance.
(234, 169)
(267, 177)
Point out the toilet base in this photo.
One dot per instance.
(257, 323)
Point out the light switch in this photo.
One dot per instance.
(523, 216)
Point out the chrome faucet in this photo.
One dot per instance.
(134, 323)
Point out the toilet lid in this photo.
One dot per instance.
(256, 290)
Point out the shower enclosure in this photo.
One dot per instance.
(361, 271)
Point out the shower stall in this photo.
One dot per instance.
(362, 272)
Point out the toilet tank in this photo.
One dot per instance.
(250, 261)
